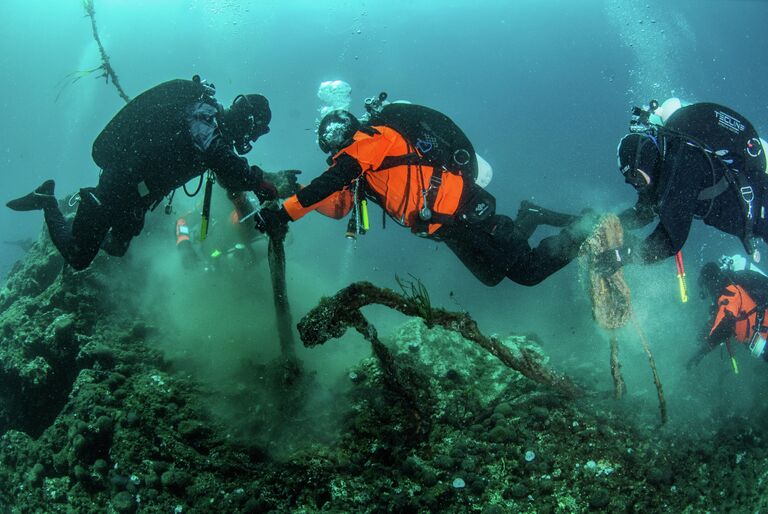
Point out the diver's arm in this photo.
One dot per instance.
(637, 216)
(344, 170)
(657, 246)
(701, 352)
(233, 171)
(675, 220)
(341, 174)
(723, 327)
(729, 304)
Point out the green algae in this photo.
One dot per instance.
(105, 423)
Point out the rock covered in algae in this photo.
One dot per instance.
(106, 425)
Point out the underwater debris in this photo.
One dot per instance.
(108, 72)
(619, 388)
(276, 256)
(333, 316)
(652, 363)
(402, 382)
(612, 304)
(610, 295)
(130, 434)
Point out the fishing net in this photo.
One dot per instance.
(610, 295)
(611, 301)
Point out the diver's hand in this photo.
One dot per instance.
(610, 261)
(273, 222)
(696, 359)
(285, 181)
(265, 191)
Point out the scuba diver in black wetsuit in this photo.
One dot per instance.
(420, 168)
(699, 161)
(160, 140)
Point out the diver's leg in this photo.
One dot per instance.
(529, 266)
(128, 224)
(475, 249)
(530, 216)
(496, 247)
(189, 258)
(80, 243)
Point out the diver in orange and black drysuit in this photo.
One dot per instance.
(458, 212)
(740, 310)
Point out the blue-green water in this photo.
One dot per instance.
(543, 89)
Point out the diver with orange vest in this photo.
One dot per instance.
(740, 310)
(417, 165)
(702, 161)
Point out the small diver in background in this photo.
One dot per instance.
(739, 304)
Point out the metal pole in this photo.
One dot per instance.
(276, 254)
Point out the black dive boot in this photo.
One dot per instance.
(542, 216)
(530, 216)
(38, 199)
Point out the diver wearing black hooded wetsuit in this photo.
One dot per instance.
(705, 162)
(166, 136)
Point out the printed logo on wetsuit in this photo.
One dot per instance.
(729, 122)
(481, 208)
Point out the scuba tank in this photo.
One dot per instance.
(440, 143)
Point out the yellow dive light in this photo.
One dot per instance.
(364, 213)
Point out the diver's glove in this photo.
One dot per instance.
(265, 191)
(694, 361)
(610, 261)
(285, 181)
(273, 221)
(697, 357)
(261, 186)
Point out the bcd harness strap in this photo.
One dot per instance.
(427, 214)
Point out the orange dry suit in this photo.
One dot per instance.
(736, 316)
(400, 189)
